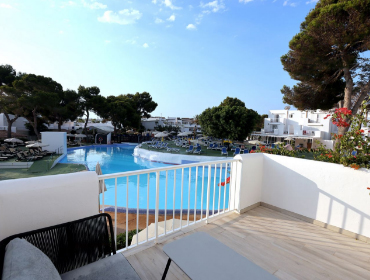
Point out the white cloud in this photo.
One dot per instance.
(131, 41)
(68, 3)
(199, 18)
(107, 41)
(145, 45)
(168, 3)
(154, 1)
(214, 6)
(61, 32)
(171, 18)
(312, 2)
(5, 6)
(191, 26)
(158, 20)
(123, 17)
(245, 1)
(94, 5)
(286, 3)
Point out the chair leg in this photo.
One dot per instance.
(166, 269)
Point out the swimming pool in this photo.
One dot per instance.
(119, 158)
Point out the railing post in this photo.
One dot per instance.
(156, 205)
(208, 192)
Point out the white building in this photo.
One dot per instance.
(150, 123)
(185, 124)
(107, 126)
(17, 126)
(303, 126)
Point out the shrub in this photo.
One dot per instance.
(121, 238)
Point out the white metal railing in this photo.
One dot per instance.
(275, 120)
(209, 197)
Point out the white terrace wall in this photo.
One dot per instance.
(326, 192)
(55, 141)
(34, 203)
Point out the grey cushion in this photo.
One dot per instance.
(23, 261)
(110, 268)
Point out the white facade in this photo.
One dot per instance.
(18, 125)
(46, 201)
(150, 123)
(55, 141)
(185, 124)
(73, 125)
(298, 124)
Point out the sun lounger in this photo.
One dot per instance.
(198, 150)
(173, 150)
(224, 152)
(237, 151)
(21, 157)
(215, 147)
(191, 149)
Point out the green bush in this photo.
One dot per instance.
(121, 238)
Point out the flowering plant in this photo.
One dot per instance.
(352, 148)
(340, 116)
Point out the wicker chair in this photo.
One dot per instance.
(71, 245)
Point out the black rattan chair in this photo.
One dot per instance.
(71, 245)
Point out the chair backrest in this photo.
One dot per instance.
(199, 148)
(191, 147)
(246, 151)
(273, 146)
(224, 150)
(237, 151)
(73, 244)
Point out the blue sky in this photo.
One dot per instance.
(189, 55)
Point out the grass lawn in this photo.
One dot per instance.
(41, 167)
(212, 153)
(205, 152)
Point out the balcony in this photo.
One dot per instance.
(283, 245)
(303, 220)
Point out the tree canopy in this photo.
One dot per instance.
(230, 120)
(7, 75)
(40, 99)
(90, 100)
(38, 94)
(121, 110)
(66, 108)
(326, 56)
(144, 103)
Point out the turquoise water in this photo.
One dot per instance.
(119, 158)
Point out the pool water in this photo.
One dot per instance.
(119, 158)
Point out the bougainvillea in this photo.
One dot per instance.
(340, 116)
(352, 148)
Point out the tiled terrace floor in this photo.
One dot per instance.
(284, 246)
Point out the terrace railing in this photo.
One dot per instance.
(205, 190)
